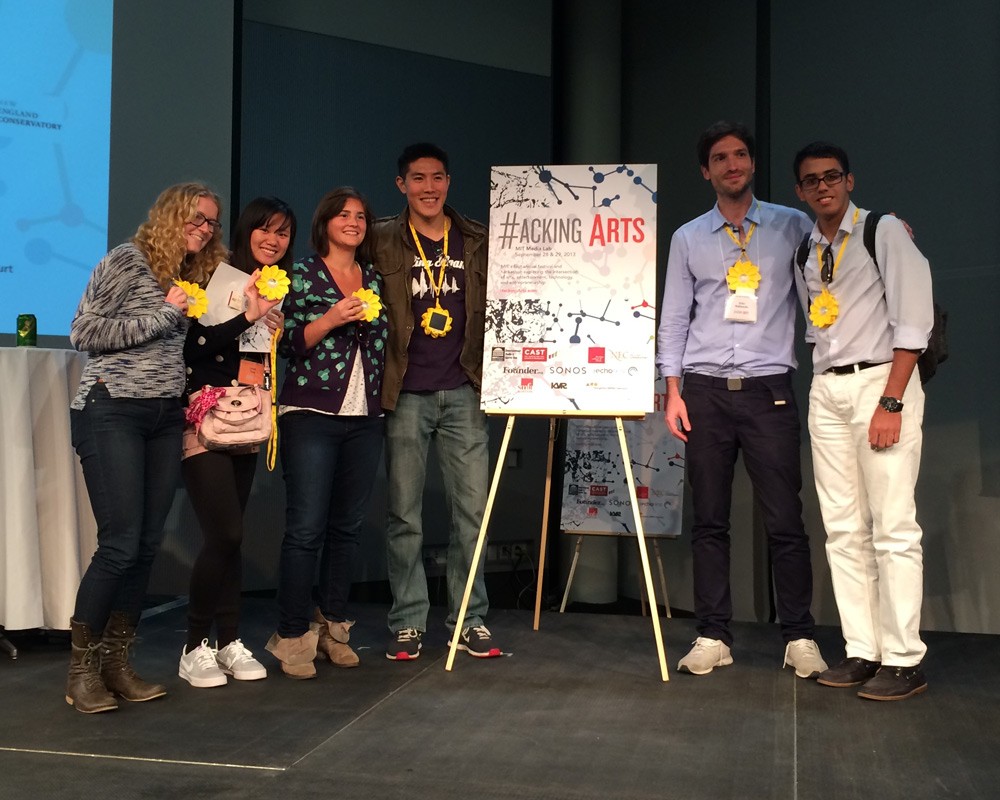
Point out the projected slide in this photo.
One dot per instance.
(55, 118)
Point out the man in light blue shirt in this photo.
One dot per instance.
(727, 329)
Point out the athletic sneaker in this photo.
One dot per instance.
(804, 656)
(404, 645)
(234, 659)
(478, 641)
(706, 655)
(199, 667)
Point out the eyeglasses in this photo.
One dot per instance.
(200, 219)
(831, 178)
(826, 271)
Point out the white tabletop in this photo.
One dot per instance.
(47, 529)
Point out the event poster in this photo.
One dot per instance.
(570, 309)
(595, 492)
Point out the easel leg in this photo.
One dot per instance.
(644, 557)
(543, 540)
(572, 572)
(663, 578)
(473, 568)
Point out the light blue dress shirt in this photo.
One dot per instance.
(694, 335)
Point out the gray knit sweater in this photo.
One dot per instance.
(133, 339)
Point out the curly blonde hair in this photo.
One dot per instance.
(161, 237)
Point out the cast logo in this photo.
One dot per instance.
(595, 355)
(598, 491)
(558, 385)
(527, 384)
(642, 492)
(534, 354)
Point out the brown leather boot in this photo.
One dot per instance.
(116, 671)
(333, 639)
(296, 654)
(85, 690)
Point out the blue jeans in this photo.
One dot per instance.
(453, 419)
(130, 451)
(329, 465)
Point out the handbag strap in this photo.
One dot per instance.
(272, 442)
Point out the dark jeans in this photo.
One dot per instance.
(130, 451)
(763, 421)
(329, 465)
(218, 484)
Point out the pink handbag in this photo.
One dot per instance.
(230, 417)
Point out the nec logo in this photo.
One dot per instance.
(598, 491)
(558, 385)
(595, 355)
(534, 354)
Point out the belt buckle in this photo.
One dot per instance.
(734, 384)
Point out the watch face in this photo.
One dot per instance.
(890, 404)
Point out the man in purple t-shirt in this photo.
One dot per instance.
(433, 261)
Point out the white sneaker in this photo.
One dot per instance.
(234, 659)
(803, 654)
(706, 655)
(199, 668)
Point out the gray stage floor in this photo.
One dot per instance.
(577, 710)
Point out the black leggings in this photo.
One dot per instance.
(219, 486)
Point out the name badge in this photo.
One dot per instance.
(251, 373)
(741, 307)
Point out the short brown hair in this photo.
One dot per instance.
(333, 203)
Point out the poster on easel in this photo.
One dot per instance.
(570, 312)
(595, 495)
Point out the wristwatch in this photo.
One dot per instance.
(891, 404)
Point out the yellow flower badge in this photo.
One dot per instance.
(196, 298)
(272, 283)
(743, 275)
(371, 303)
(824, 309)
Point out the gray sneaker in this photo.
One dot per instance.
(706, 655)
(803, 655)
(199, 667)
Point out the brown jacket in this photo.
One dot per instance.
(394, 255)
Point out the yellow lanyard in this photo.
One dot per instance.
(840, 252)
(736, 239)
(427, 264)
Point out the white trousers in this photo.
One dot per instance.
(867, 501)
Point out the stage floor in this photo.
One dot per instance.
(576, 710)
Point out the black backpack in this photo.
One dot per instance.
(937, 344)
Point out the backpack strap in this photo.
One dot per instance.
(802, 254)
(871, 222)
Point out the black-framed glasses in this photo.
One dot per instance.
(826, 269)
(831, 178)
(200, 219)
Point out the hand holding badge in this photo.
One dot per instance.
(371, 303)
(197, 300)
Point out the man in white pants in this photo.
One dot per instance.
(868, 319)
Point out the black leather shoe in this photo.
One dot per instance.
(849, 672)
(894, 683)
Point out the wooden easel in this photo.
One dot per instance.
(477, 555)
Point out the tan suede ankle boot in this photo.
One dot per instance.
(85, 690)
(333, 639)
(296, 654)
(116, 671)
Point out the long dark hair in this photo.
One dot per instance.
(259, 213)
(333, 203)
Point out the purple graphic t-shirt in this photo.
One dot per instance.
(434, 360)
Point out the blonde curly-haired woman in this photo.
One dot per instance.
(126, 422)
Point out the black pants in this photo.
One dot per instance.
(219, 486)
(760, 419)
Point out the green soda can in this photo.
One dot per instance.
(27, 330)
